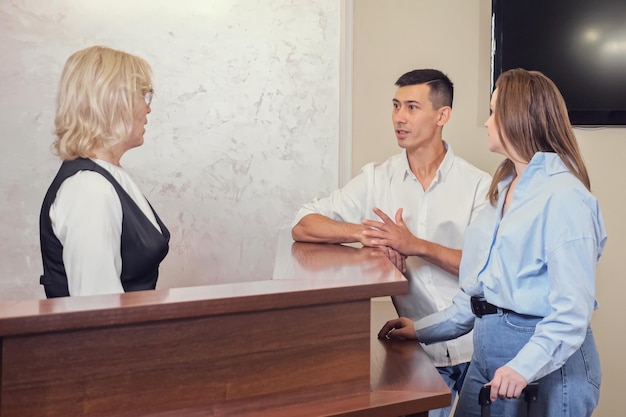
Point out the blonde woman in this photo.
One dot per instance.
(99, 234)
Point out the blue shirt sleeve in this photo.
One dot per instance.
(571, 273)
(453, 322)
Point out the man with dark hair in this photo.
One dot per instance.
(441, 88)
(432, 195)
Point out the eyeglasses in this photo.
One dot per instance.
(148, 97)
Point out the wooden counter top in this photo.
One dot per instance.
(299, 343)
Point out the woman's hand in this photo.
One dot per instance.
(400, 328)
(506, 383)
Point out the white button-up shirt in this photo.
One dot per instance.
(439, 214)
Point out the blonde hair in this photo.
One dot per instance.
(531, 113)
(99, 91)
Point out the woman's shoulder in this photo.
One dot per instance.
(85, 195)
(87, 185)
(569, 203)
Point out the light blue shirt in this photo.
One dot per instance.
(538, 259)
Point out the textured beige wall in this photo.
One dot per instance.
(392, 37)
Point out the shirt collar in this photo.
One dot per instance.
(443, 169)
(546, 163)
(553, 164)
(448, 160)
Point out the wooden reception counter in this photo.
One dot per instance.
(300, 343)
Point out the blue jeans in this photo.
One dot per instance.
(454, 377)
(572, 390)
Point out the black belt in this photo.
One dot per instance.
(481, 307)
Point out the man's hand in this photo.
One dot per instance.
(400, 328)
(397, 235)
(398, 259)
(392, 234)
(506, 383)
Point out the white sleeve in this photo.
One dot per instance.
(87, 219)
(349, 204)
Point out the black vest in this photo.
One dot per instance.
(143, 246)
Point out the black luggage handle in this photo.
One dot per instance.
(530, 396)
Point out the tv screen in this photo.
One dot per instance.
(579, 44)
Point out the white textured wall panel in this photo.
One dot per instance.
(243, 129)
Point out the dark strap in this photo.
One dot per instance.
(481, 307)
(531, 392)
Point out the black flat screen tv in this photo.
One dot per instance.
(579, 44)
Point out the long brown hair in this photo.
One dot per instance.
(531, 113)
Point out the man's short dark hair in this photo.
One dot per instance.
(441, 88)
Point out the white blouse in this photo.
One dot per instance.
(87, 219)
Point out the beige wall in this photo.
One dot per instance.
(392, 37)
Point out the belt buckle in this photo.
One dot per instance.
(477, 306)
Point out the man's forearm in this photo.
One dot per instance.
(321, 229)
(445, 258)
